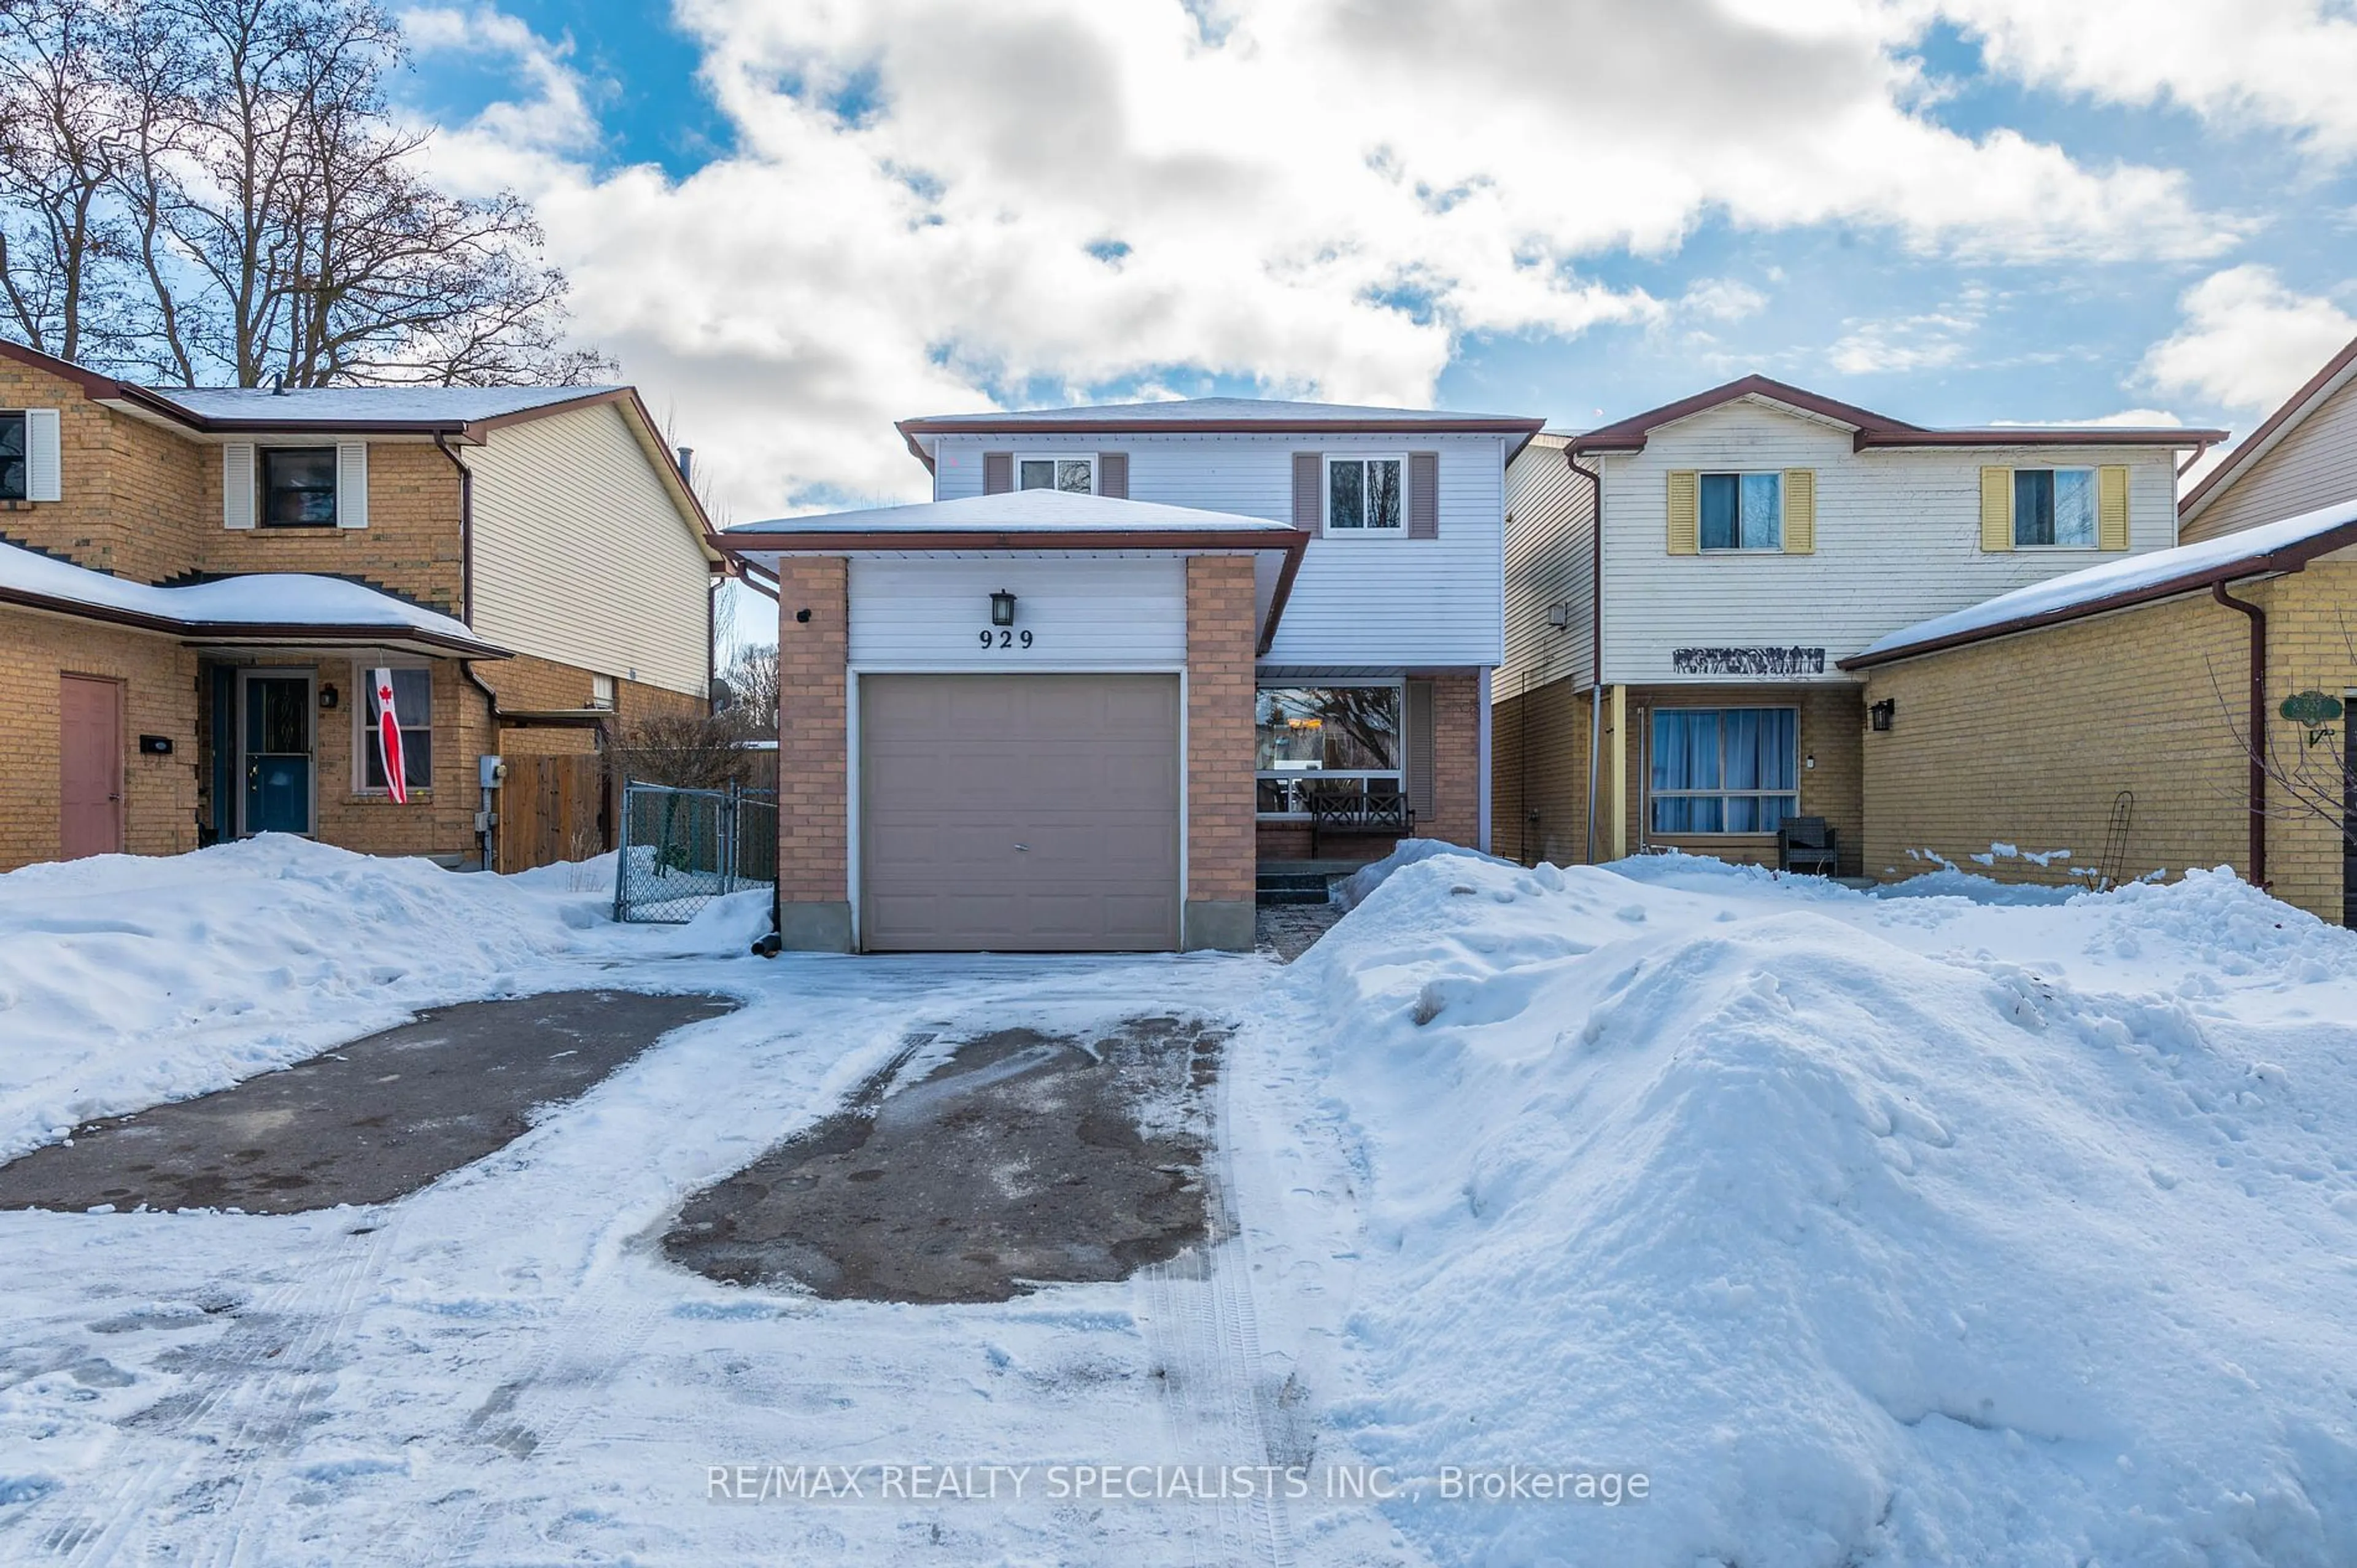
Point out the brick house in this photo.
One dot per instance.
(195, 582)
(1682, 586)
(1128, 659)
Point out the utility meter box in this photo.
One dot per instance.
(495, 771)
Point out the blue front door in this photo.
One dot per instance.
(275, 734)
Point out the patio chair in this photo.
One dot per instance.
(1807, 844)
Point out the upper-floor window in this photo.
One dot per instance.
(1742, 511)
(298, 487)
(1365, 495)
(2054, 506)
(1076, 475)
(12, 457)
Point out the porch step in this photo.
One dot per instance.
(1290, 888)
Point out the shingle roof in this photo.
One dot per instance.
(1237, 412)
(453, 406)
(1018, 510)
(2285, 546)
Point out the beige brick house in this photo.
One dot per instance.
(2098, 727)
(194, 584)
(1126, 662)
(1682, 586)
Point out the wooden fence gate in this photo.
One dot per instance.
(553, 809)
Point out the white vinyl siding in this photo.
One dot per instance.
(2314, 466)
(1550, 560)
(1897, 540)
(580, 555)
(1412, 601)
(1091, 614)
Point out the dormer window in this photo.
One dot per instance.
(1072, 475)
(298, 487)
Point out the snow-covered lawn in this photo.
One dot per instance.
(1863, 1229)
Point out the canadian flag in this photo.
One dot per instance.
(388, 737)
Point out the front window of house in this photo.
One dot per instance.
(298, 487)
(12, 457)
(1724, 770)
(412, 710)
(1076, 476)
(1329, 740)
(1743, 512)
(1364, 495)
(2054, 507)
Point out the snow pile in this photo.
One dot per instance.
(128, 980)
(1868, 1231)
(1356, 889)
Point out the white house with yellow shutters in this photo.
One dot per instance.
(1671, 678)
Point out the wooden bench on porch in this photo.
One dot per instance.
(1355, 812)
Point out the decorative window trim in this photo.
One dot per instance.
(364, 733)
(1326, 505)
(1088, 458)
(1396, 776)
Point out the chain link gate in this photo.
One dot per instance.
(680, 849)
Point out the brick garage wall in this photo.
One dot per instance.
(1833, 718)
(2027, 740)
(411, 545)
(159, 697)
(1538, 764)
(814, 830)
(1220, 840)
(132, 490)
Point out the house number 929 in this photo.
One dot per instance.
(1003, 637)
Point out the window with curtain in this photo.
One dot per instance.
(1725, 770)
(1743, 512)
(2054, 506)
(1076, 476)
(1311, 740)
(412, 705)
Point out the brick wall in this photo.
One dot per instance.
(1538, 775)
(437, 819)
(2029, 740)
(814, 830)
(1833, 718)
(412, 544)
(158, 678)
(1219, 835)
(131, 489)
(1456, 758)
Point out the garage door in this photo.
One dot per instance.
(1022, 813)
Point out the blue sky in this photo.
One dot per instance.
(793, 224)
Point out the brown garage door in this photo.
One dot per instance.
(1022, 813)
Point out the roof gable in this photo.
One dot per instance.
(2270, 433)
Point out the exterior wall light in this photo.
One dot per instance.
(1882, 713)
(1002, 608)
(1559, 614)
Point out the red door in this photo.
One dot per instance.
(90, 748)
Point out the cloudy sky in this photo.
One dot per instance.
(795, 220)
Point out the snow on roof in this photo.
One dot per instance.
(345, 405)
(1058, 509)
(270, 599)
(2284, 545)
(1272, 413)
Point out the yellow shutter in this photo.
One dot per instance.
(1800, 511)
(2112, 507)
(1686, 511)
(1996, 509)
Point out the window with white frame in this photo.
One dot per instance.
(1724, 770)
(1327, 740)
(413, 710)
(2054, 507)
(1365, 496)
(601, 692)
(1076, 475)
(1742, 511)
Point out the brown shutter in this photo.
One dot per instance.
(1424, 494)
(1417, 764)
(1113, 474)
(1308, 474)
(998, 473)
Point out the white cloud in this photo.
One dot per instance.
(1320, 196)
(1929, 341)
(2247, 341)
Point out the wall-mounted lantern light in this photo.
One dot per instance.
(1881, 715)
(1559, 614)
(328, 695)
(1002, 608)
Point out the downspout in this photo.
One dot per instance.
(466, 613)
(1596, 650)
(2258, 723)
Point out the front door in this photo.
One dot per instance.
(90, 767)
(274, 721)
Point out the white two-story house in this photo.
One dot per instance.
(1127, 656)
(1672, 673)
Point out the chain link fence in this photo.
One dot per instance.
(680, 849)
